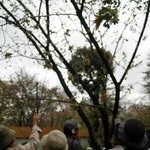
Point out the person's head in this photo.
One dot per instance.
(132, 135)
(7, 137)
(54, 140)
(71, 127)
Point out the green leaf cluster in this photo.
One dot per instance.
(90, 68)
(107, 15)
(8, 55)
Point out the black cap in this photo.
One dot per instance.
(70, 124)
(132, 134)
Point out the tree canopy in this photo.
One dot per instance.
(23, 96)
(147, 78)
(51, 32)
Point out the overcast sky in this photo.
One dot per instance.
(10, 66)
(135, 76)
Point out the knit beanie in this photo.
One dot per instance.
(55, 140)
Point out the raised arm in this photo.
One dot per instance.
(34, 137)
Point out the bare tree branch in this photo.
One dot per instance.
(138, 43)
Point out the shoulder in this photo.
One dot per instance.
(74, 144)
(73, 140)
(117, 147)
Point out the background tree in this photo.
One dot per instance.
(54, 45)
(143, 112)
(138, 111)
(23, 96)
(7, 95)
(147, 78)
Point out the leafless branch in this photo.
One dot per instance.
(138, 43)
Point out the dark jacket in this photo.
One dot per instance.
(73, 144)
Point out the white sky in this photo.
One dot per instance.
(135, 76)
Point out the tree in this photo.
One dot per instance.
(23, 96)
(141, 112)
(53, 46)
(7, 95)
(94, 77)
(92, 70)
(147, 79)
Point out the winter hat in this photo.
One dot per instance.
(70, 127)
(55, 140)
(43, 142)
(132, 134)
(71, 124)
(6, 136)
